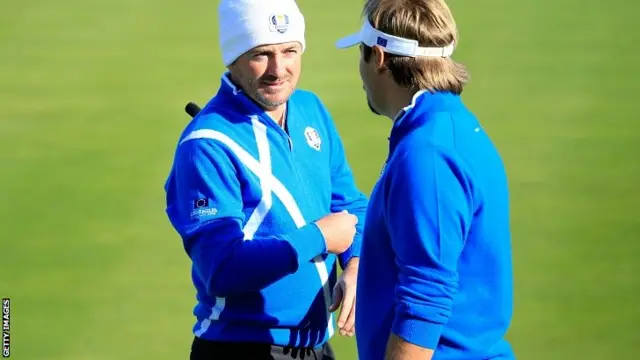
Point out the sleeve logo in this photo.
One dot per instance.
(200, 203)
(201, 209)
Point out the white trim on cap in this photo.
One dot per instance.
(392, 44)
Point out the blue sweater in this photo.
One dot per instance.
(436, 256)
(243, 194)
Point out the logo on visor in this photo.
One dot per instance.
(381, 41)
(279, 23)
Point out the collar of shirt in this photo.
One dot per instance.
(416, 114)
(247, 106)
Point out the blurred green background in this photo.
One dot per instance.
(91, 106)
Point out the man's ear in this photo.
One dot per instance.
(378, 57)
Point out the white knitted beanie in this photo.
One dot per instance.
(245, 24)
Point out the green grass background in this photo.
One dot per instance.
(91, 105)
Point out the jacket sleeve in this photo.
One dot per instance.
(205, 207)
(428, 213)
(345, 195)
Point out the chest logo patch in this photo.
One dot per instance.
(313, 138)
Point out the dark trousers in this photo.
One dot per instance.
(202, 349)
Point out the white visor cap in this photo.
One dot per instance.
(392, 44)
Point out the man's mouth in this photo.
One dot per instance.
(274, 83)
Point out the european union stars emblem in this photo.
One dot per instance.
(202, 208)
(381, 41)
(200, 203)
(279, 23)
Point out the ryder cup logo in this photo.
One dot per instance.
(279, 23)
(313, 139)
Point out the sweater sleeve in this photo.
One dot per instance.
(428, 210)
(205, 207)
(345, 194)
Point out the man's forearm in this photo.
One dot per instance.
(352, 252)
(231, 266)
(352, 265)
(399, 349)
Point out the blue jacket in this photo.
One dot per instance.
(243, 194)
(436, 255)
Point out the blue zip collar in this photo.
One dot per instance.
(415, 114)
(243, 104)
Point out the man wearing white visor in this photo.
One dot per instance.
(435, 276)
(264, 200)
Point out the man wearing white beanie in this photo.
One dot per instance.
(264, 200)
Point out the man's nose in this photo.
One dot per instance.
(277, 66)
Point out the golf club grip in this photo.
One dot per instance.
(192, 109)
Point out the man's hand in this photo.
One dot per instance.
(338, 230)
(399, 349)
(344, 293)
